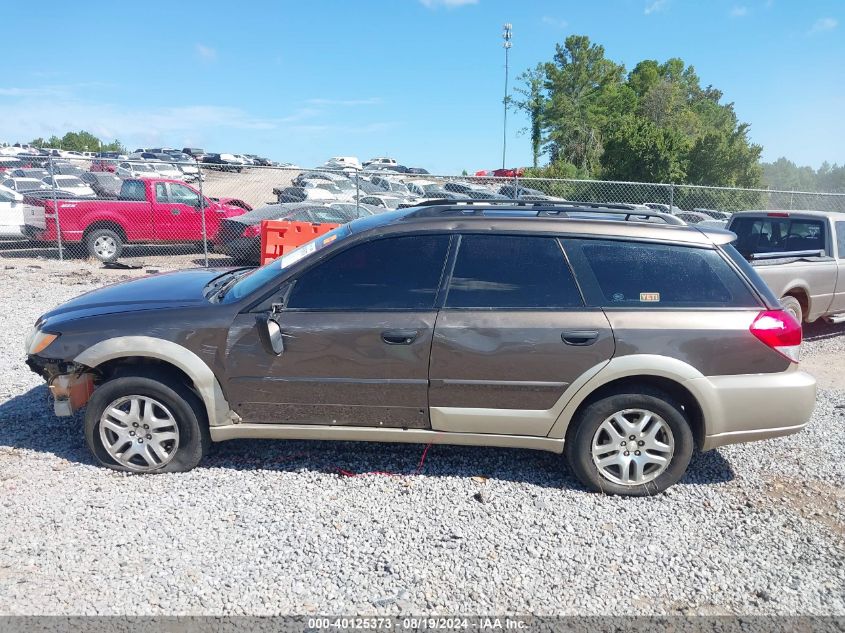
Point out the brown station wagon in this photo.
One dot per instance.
(604, 332)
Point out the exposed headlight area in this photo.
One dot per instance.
(37, 341)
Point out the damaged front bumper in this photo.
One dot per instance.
(70, 384)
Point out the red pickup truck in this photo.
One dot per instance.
(149, 210)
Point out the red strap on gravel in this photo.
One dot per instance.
(348, 473)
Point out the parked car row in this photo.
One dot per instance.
(380, 163)
(107, 198)
(386, 190)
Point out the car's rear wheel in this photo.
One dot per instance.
(104, 244)
(140, 424)
(793, 307)
(634, 444)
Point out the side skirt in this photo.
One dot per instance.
(363, 434)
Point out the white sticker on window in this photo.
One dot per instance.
(649, 296)
(291, 258)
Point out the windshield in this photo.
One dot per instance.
(69, 181)
(251, 282)
(142, 167)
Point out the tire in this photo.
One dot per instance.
(590, 425)
(105, 245)
(793, 306)
(176, 410)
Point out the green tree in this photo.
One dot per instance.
(581, 83)
(725, 159)
(532, 102)
(81, 141)
(113, 146)
(655, 124)
(785, 175)
(643, 151)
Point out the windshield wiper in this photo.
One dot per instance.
(212, 286)
(230, 281)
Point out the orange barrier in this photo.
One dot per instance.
(280, 237)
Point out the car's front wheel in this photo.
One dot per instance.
(141, 424)
(634, 444)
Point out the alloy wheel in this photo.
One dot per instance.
(139, 433)
(632, 447)
(105, 246)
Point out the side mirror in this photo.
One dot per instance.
(271, 334)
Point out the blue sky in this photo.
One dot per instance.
(421, 80)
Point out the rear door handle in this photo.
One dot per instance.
(579, 337)
(399, 337)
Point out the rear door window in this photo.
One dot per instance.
(639, 274)
(511, 272)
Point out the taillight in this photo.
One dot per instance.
(252, 231)
(779, 330)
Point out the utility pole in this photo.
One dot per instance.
(506, 36)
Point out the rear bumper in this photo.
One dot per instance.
(752, 407)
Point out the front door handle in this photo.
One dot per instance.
(175, 211)
(399, 337)
(579, 337)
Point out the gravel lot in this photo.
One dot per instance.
(273, 528)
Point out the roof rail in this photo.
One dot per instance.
(541, 208)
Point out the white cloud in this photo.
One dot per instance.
(58, 90)
(42, 117)
(27, 113)
(555, 22)
(739, 11)
(345, 102)
(824, 24)
(656, 6)
(451, 4)
(206, 52)
(27, 92)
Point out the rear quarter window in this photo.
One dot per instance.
(646, 275)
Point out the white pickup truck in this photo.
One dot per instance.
(800, 255)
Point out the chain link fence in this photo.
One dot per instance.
(185, 213)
